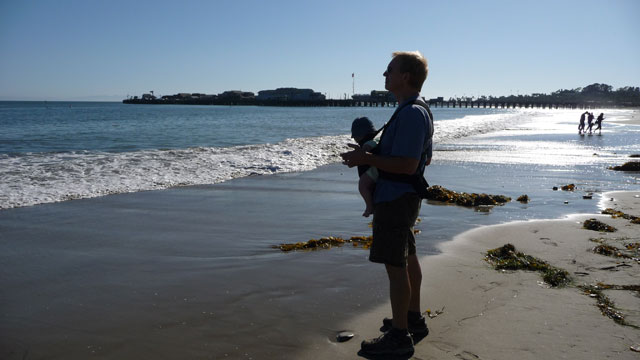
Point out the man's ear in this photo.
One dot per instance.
(406, 77)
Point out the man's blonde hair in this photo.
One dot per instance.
(415, 64)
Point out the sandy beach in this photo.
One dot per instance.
(634, 119)
(491, 314)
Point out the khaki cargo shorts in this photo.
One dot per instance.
(393, 238)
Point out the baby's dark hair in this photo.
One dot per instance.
(362, 128)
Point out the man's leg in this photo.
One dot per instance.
(400, 294)
(396, 340)
(415, 281)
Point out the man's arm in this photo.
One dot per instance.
(391, 164)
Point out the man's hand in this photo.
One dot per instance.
(354, 157)
(428, 162)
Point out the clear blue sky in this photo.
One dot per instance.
(104, 50)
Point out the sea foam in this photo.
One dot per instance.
(36, 178)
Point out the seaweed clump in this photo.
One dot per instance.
(596, 225)
(523, 198)
(633, 246)
(628, 166)
(614, 213)
(618, 287)
(363, 241)
(629, 250)
(609, 250)
(606, 306)
(439, 193)
(507, 258)
(326, 243)
(313, 244)
(619, 214)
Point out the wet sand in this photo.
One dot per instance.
(634, 119)
(183, 273)
(491, 314)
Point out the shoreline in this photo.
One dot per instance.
(490, 314)
(104, 170)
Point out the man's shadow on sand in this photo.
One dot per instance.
(416, 340)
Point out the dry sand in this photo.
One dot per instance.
(491, 314)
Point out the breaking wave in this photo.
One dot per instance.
(36, 178)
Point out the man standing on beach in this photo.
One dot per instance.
(405, 148)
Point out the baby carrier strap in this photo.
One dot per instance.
(416, 179)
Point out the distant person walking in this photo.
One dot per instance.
(582, 120)
(599, 123)
(590, 122)
(404, 150)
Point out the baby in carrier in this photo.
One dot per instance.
(363, 132)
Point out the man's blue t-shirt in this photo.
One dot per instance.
(407, 136)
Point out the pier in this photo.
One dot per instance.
(594, 96)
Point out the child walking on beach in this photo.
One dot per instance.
(363, 132)
(599, 123)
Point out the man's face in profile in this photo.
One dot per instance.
(393, 76)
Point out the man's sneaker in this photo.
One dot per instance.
(416, 328)
(392, 342)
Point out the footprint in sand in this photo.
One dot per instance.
(465, 355)
(548, 241)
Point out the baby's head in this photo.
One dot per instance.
(362, 129)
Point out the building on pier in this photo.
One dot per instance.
(375, 96)
(237, 95)
(286, 94)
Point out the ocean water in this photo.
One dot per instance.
(57, 151)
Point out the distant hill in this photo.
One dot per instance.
(594, 93)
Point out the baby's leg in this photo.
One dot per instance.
(366, 185)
